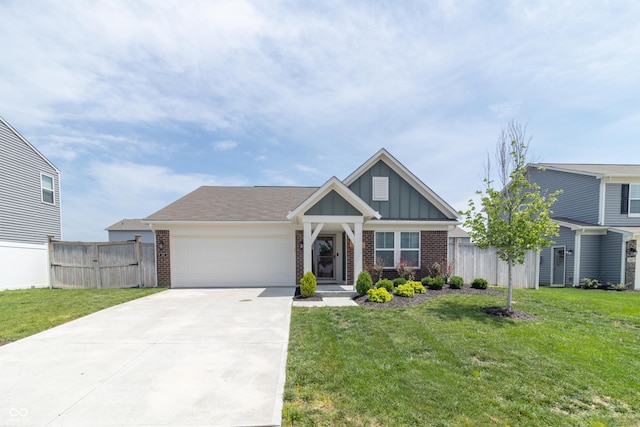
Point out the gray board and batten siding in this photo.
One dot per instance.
(24, 217)
(333, 204)
(580, 197)
(405, 202)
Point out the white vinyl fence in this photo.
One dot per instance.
(471, 262)
(125, 264)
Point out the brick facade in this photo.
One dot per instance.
(434, 246)
(163, 258)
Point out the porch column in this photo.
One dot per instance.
(307, 247)
(577, 256)
(357, 251)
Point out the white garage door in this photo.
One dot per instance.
(238, 261)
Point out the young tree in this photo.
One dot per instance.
(515, 217)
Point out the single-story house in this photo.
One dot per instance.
(270, 236)
(128, 229)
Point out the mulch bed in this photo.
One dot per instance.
(420, 298)
(503, 312)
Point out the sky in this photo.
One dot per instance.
(138, 103)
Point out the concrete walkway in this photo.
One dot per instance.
(211, 357)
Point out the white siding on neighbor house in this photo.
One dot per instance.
(23, 265)
(24, 217)
(233, 256)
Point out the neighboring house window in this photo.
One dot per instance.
(630, 200)
(634, 199)
(392, 248)
(380, 189)
(46, 183)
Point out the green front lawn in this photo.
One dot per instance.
(445, 363)
(26, 312)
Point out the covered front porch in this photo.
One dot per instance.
(331, 247)
(330, 244)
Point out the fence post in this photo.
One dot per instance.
(96, 265)
(137, 250)
(51, 271)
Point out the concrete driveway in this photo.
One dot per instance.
(209, 357)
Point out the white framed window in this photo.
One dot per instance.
(634, 199)
(47, 189)
(394, 247)
(380, 188)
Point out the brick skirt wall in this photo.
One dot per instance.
(163, 258)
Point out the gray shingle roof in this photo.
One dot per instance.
(128, 225)
(596, 169)
(209, 203)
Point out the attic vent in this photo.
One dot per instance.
(380, 189)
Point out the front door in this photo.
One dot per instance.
(558, 267)
(325, 257)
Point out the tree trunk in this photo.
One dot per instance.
(510, 286)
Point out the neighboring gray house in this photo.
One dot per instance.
(126, 229)
(599, 217)
(29, 211)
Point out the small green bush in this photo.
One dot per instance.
(308, 285)
(587, 283)
(405, 290)
(479, 283)
(417, 287)
(379, 295)
(364, 282)
(399, 281)
(433, 283)
(385, 283)
(456, 282)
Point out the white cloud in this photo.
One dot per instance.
(119, 190)
(307, 169)
(224, 145)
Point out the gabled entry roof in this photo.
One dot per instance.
(333, 184)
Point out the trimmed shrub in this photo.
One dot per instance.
(385, 283)
(417, 287)
(456, 282)
(587, 283)
(379, 295)
(308, 285)
(433, 283)
(364, 282)
(479, 283)
(405, 290)
(399, 281)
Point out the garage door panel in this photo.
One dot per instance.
(232, 261)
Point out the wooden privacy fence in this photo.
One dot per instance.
(469, 262)
(83, 265)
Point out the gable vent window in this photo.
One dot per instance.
(46, 184)
(380, 189)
